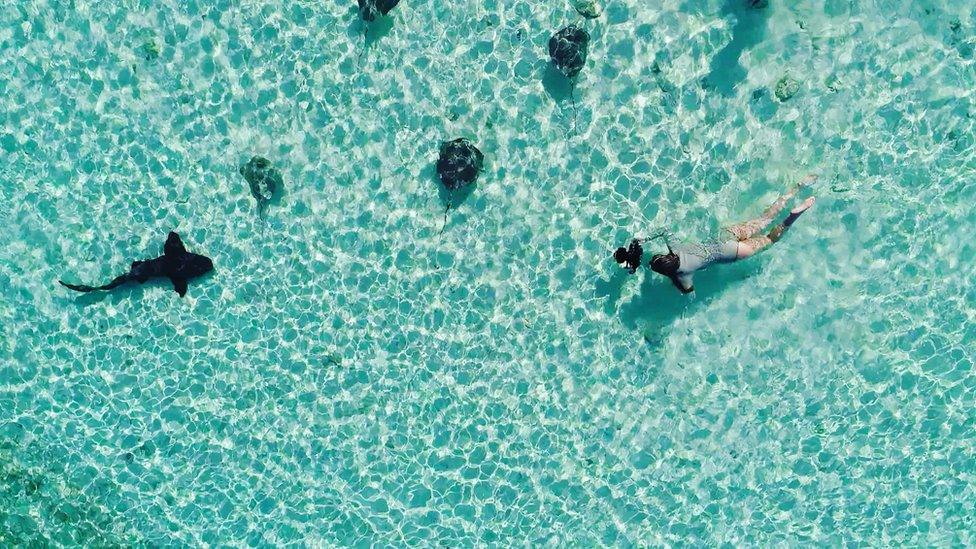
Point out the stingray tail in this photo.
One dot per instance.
(572, 98)
(362, 52)
(262, 213)
(119, 280)
(447, 210)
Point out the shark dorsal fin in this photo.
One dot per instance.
(173, 245)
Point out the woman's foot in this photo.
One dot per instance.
(806, 205)
(795, 212)
(807, 181)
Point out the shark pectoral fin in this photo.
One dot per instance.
(179, 284)
(173, 245)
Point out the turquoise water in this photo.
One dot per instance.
(357, 372)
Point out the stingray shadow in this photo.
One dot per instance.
(450, 199)
(750, 28)
(659, 303)
(561, 89)
(557, 85)
(371, 32)
(262, 205)
(276, 197)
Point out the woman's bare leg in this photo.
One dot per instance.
(749, 229)
(751, 246)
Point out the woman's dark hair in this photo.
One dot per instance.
(620, 256)
(666, 265)
(629, 258)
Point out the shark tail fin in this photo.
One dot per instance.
(77, 287)
(118, 281)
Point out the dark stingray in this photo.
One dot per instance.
(568, 49)
(459, 163)
(458, 166)
(369, 10)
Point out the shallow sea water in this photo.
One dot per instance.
(357, 372)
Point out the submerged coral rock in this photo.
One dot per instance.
(786, 88)
(150, 50)
(369, 10)
(459, 164)
(568, 49)
(264, 180)
(589, 9)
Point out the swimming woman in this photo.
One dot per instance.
(737, 242)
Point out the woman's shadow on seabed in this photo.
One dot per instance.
(659, 303)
